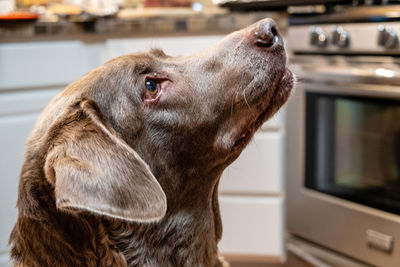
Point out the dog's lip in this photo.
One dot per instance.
(244, 137)
(284, 87)
(286, 79)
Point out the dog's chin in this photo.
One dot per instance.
(285, 86)
(280, 96)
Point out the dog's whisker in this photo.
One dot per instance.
(233, 102)
(248, 105)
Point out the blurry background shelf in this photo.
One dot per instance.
(128, 24)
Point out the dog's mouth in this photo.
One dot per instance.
(281, 95)
(244, 138)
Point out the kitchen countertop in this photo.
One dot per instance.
(149, 22)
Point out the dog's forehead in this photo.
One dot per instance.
(154, 60)
(139, 62)
(157, 52)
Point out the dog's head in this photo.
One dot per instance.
(146, 127)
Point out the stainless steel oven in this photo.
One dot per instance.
(343, 138)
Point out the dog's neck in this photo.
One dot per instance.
(190, 191)
(186, 236)
(189, 232)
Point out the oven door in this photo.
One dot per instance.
(343, 168)
(352, 148)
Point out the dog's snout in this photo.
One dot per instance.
(266, 34)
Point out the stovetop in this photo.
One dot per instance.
(355, 31)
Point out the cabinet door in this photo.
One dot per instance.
(18, 113)
(13, 133)
(258, 170)
(252, 228)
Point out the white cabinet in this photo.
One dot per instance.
(13, 130)
(252, 201)
(31, 74)
(18, 113)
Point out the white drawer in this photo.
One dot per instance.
(40, 64)
(252, 228)
(172, 46)
(258, 170)
(26, 102)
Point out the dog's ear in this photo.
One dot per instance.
(93, 169)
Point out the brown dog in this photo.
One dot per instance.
(122, 167)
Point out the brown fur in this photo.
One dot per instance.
(115, 177)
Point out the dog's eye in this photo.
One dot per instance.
(154, 86)
(151, 85)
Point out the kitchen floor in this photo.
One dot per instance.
(292, 261)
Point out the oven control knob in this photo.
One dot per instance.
(318, 37)
(340, 37)
(387, 37)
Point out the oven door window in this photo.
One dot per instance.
(353, 149)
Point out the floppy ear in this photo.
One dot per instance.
(93, 169)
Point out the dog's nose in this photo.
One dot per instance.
(266, 34)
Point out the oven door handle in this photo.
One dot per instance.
(317, 255)
(347, 74)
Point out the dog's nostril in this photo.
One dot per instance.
(264, 43)
(266, 34)
(274, 30)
